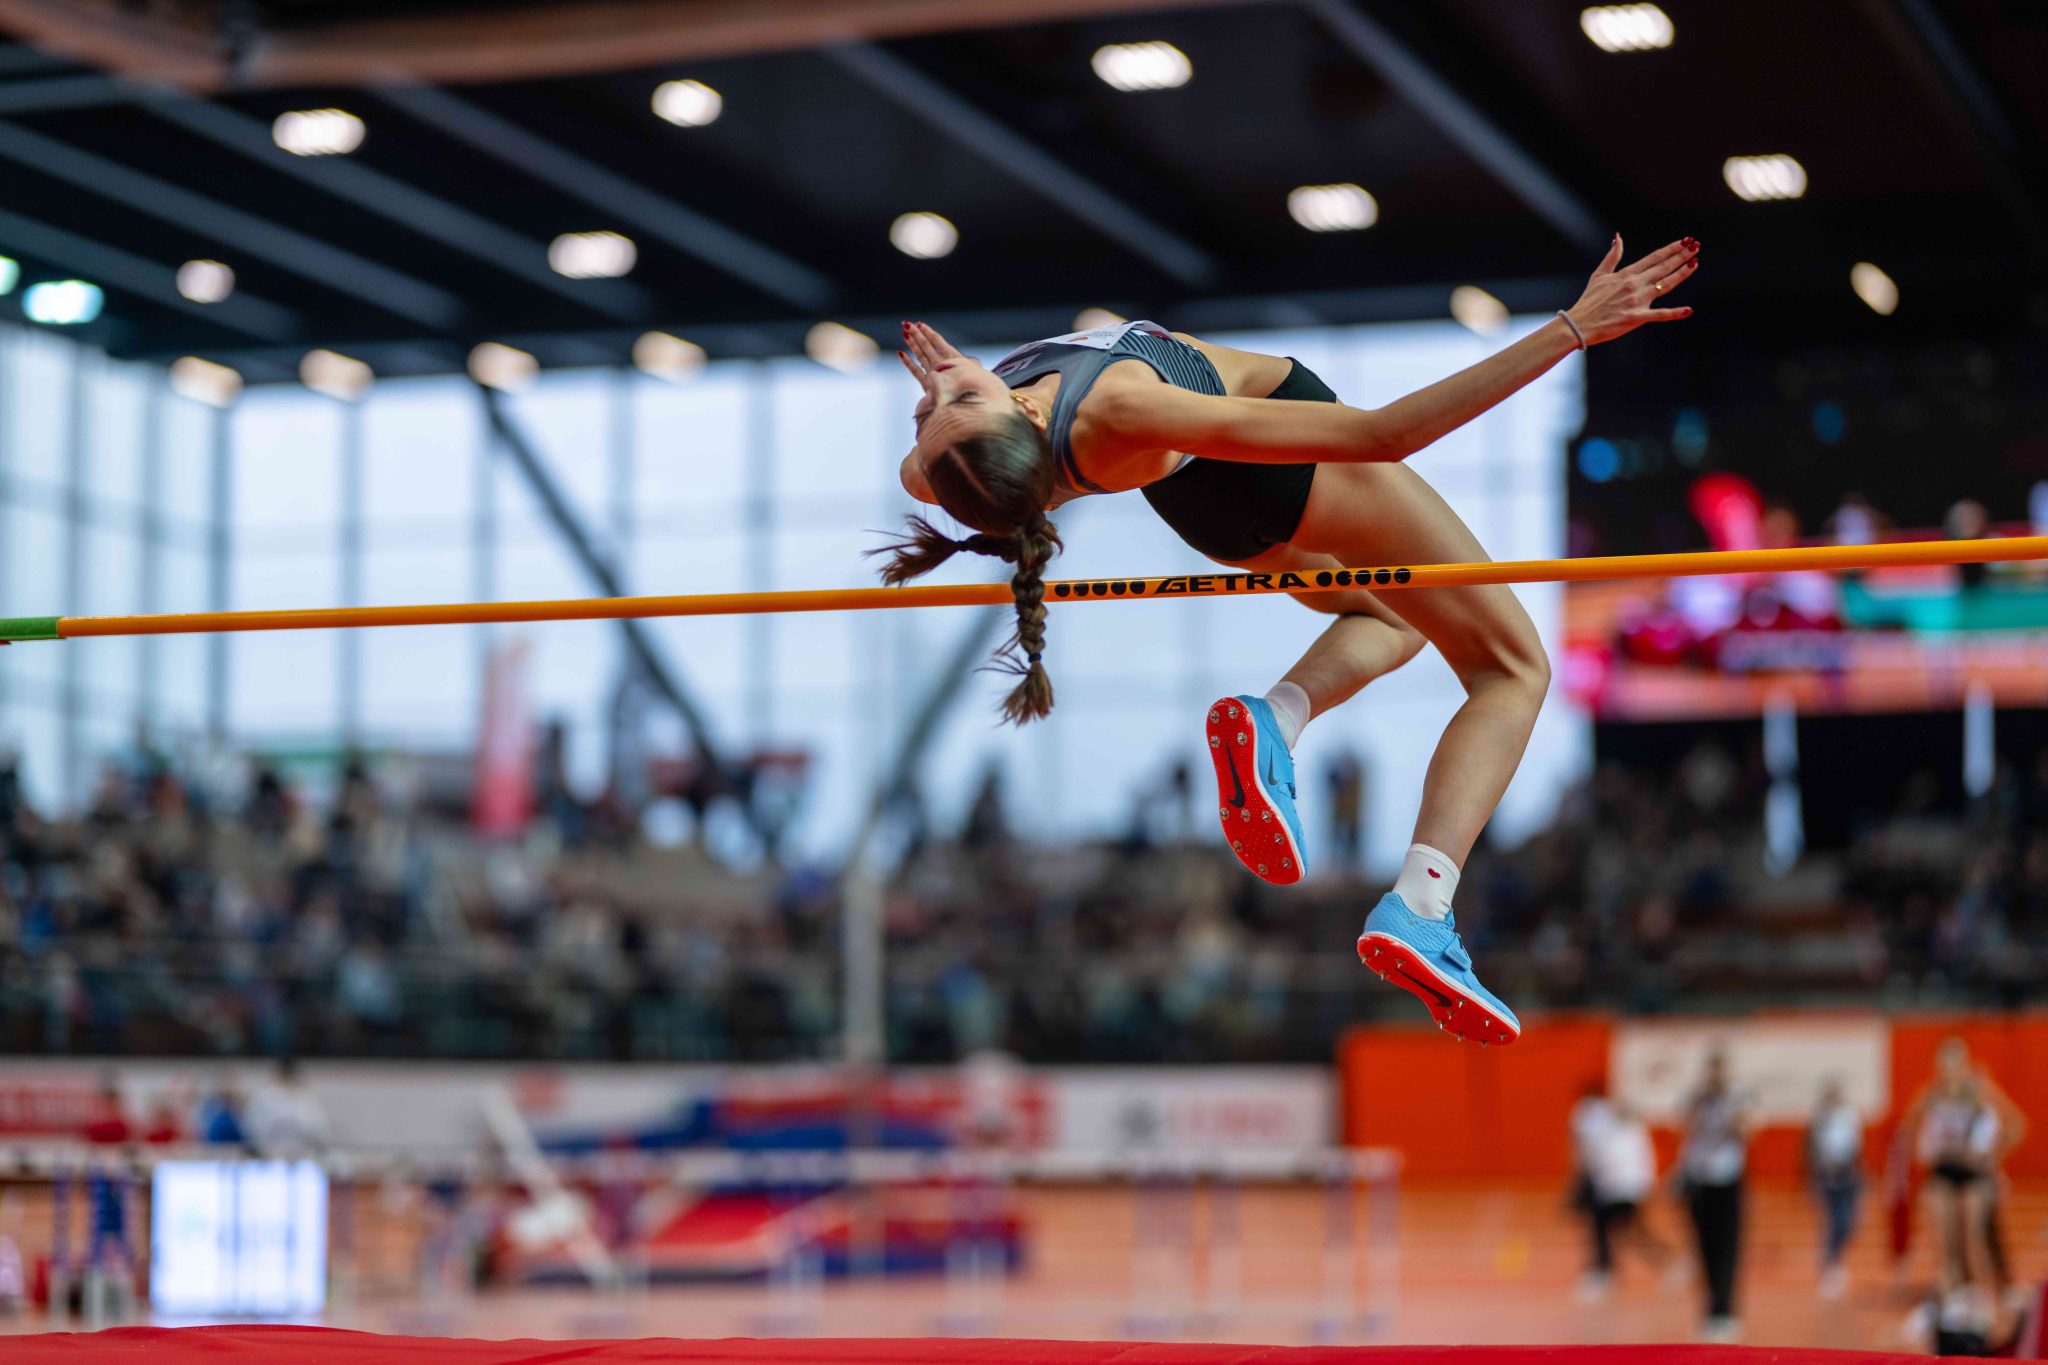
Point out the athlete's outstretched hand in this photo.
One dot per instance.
(924, 348)
(1617, 301)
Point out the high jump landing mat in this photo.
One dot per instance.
(329, 1346)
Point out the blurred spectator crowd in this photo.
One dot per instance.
(163, 922)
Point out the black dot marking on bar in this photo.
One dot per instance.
(1383, 576)
(1138, 589)
(1101, 589)
(1117, 588)
(1402, 575)
(1322, 580)
(1343, 578)
(1060, 590)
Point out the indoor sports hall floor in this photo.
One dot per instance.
(1489, 1266)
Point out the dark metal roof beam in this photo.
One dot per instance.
(1463, 122)
(60, 92)
(331, 266)
(430, 216)
(1006, 150)
(240, 311)
(523, 41)
(18, 59)
(117, 35)
(684, 229)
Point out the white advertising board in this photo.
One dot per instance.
(1779, 1063)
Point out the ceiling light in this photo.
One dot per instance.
(592, 255)
(1875, 288)
(62, 303)
(1333, 208)
(205, 281)
(1764, 177)
(925, 236)
(205, 382)
(1478, 310)
(687, 104)
(497, 366)
(337, 376)
(1627, 28)
(318, 132)
(1088, 319)
(667, 357)
(1142, 66)
(10, 274)
(838, 347)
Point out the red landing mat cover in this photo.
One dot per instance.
(326, 1346)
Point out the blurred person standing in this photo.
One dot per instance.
(1834, 1163)
(1956, 1133)
(1346, 781)
(1592, 1115)
(1621, 1172)
(285, 1118)
(1712, 1165)
(217, 1118)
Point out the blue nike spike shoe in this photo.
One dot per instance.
(1255, 788)
(1426, 958)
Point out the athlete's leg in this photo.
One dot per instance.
(1368, 639)
(1386, 514)
(1250, 736)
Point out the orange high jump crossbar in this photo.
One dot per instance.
(1817, 557)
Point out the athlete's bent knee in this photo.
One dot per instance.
(1518, 662)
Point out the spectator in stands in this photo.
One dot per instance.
(1712, 1165)
(1968, 520)
(1855, 522)
(1834, 1163)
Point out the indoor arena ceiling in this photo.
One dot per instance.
(1499, 143)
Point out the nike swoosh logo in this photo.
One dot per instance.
(1237, 787)
(1442, 1001)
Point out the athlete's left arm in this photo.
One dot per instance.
(1263, 431)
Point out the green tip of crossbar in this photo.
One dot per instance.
(28, 628)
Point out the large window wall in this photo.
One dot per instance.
(106, 507)
(751, 475)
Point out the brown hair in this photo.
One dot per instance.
(998, 482)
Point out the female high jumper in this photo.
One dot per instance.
(1252, 460)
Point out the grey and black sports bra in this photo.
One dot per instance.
(1081, 357)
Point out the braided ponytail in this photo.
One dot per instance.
(997, 479)
(924, 547)
(1031, 699)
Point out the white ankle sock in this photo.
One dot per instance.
(1290, 709)
(1428, 881)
